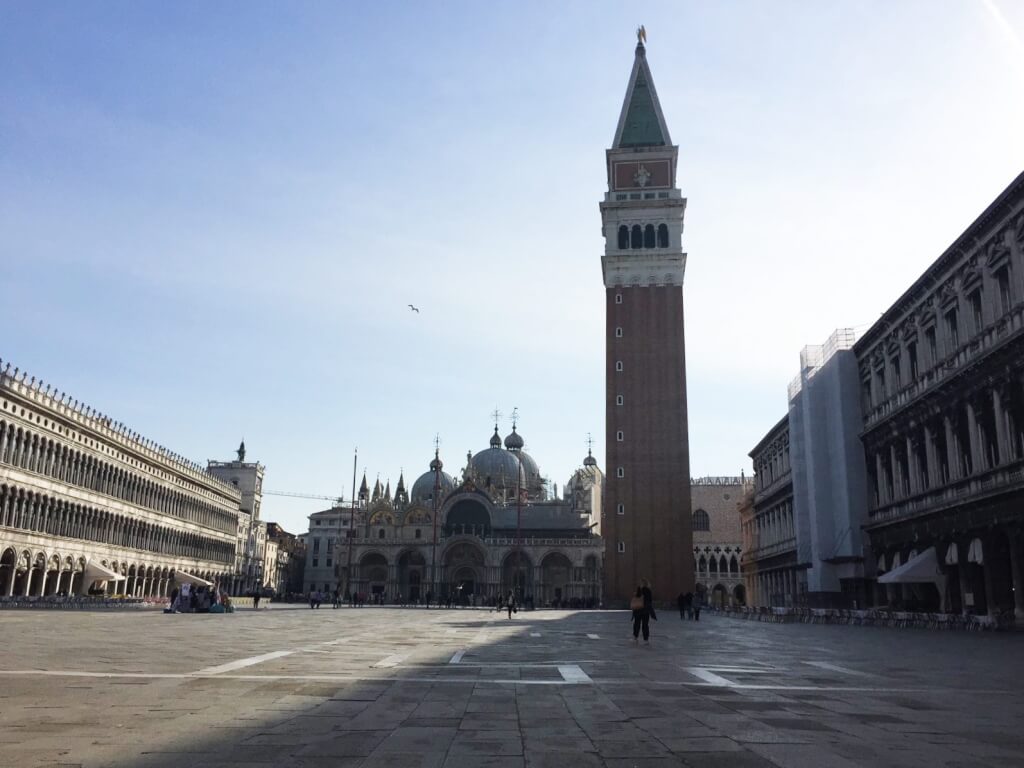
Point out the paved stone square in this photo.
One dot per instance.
(410, 687)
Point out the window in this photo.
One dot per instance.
(897, 378)
(976, 316)
(381, 534)
(701, 521)
(623, 236)
(618, 298)
(618, 365)
(622, 547)
(952, 331)
(662, 236)
(316, 545)
(618, 400)
(880, 383)
(329, 562)
(1003, 280)
(419, 534)
(316, 562)
(636, 237)
(618, 333)
(318, 522)
(621, 509)
(618, 436)
(649, 236)
(933, 349)
(912, 358)
(620, 472)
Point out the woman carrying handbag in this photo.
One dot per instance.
(642, 605)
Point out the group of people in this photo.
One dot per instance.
(688, 607)
(642, 607)
(189, 598)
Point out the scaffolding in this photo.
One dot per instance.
(814, 356)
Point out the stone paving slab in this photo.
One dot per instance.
(373, 688)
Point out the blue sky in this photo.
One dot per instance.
(212, 217)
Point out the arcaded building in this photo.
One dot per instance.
(942, 392)
(775, 576)
(493, 529)
(718, 539)
(88, 505)
(647, 495)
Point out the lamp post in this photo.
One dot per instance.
(436, 466)
(351, 526)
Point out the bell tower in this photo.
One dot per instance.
(647, 517)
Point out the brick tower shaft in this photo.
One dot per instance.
(647, 518)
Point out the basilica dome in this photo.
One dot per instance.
(498, 467)
(423, 488)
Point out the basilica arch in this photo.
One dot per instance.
(468, 515)
(373, 574)
(463, 565)
(413, 576)
(556, 578)
(517, 574)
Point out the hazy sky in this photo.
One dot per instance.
(213, 216)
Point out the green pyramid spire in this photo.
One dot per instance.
(641, 123)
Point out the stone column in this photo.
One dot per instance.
(912, 468)
(988, 549)
(952, 454)
(1002, 437)
(932, 478)
(894, 467)
(1017, 573)
(977, 459)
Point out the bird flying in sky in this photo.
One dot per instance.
(414, 309)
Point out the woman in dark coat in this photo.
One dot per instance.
(642, 615)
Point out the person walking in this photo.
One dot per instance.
(510, 603)
(681, 602)
(642, 605)
(256, 599)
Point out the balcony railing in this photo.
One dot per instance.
(978, 485)
(771, 550)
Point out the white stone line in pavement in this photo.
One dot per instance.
(449, 632)
(593, 637)
(572, 673)
(239, 663)
(391, 661)
(836, 668)
(710, 677)
(632, 681)
(456, 657)
(535, 634)
(741, 670)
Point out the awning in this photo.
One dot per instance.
(96, 571)
(952, 554)
(187, 578)
(917, 570)
(975, 552)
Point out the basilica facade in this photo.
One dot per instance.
(494, 528)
